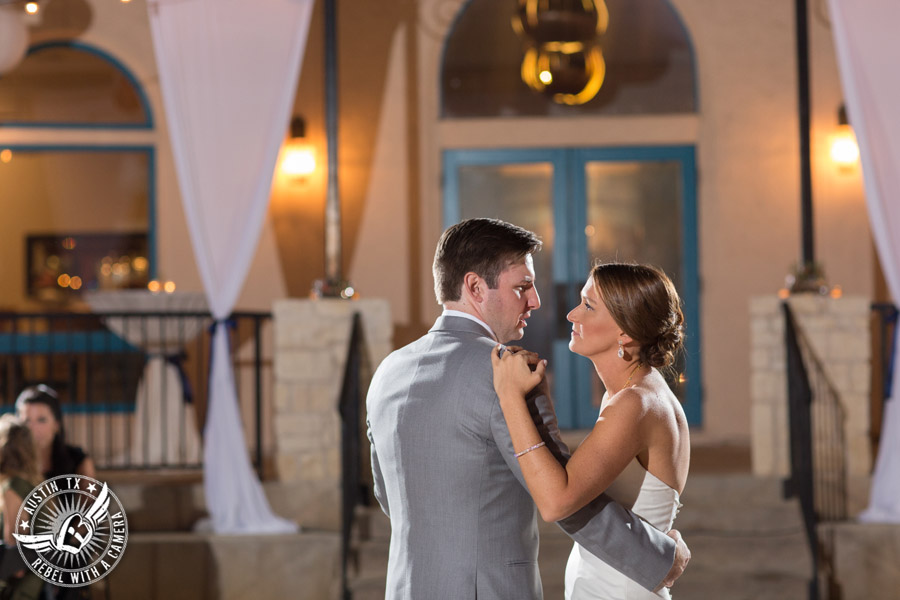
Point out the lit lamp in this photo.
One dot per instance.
(844, 149)
(298, 159)
(563, 58)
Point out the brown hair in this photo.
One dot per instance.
(643, 302)
(482, 246)
(18, 456)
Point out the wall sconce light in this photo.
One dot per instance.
(844, 149)
(299, 159)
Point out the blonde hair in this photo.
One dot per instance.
(18, 455)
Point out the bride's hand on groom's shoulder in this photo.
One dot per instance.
(516, 371)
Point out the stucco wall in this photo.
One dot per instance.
(745, 134)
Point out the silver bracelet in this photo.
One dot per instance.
(527, 450)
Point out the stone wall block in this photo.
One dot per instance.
(851, 306)
(767, 306)
(304, 365)
(761, 386)
(807, 304)
(848, 346)
(839, 375)
(292, 317)
(286, 467)
(311, 466)
(818, 341)
(859, 455)
(283, 397)
(760, 359)
(760, 328)
(769, 456)
(861, 378)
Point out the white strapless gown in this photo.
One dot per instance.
(588, 577)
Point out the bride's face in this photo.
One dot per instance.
(594, 331)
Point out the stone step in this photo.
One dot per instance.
(172, 566)
(747, 542)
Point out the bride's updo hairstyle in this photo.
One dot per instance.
(644, 303)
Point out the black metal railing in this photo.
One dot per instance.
(133, 386)
(354, 492)
(818, 475)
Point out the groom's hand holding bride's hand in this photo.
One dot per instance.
(513, 374)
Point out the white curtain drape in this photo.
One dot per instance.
(228, 71)
(867, 45)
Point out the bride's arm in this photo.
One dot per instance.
(614, 441)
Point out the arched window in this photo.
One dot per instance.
(648, 56)
(80, 213)
(70, 84)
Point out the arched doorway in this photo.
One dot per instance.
(631, 201)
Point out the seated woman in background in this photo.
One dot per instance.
(38, 407)
(18, 476)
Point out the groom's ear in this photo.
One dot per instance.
(474, 286)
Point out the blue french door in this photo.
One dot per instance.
(632, 204)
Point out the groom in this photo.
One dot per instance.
(462, 522)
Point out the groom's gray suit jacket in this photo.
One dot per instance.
(463, 525)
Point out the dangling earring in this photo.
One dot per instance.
(621, 352)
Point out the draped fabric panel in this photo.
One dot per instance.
(228, 71)
(867, 49)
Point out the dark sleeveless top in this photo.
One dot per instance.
(72, 456)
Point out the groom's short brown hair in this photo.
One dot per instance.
(482, 246)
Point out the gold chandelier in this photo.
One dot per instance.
(563, 57)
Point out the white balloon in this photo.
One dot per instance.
(13, 38)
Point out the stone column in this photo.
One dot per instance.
(838, 333)
(311, 343)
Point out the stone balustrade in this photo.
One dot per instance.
(839, 334)
(311, 343)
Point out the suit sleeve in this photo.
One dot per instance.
(606, 529)
(378, 478)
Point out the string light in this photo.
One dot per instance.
(32, 8)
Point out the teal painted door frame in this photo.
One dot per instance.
(571, 261)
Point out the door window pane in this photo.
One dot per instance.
(521, 194)
(634, 215)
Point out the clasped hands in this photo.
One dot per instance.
(516, 371)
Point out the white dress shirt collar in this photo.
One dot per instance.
(458, 313)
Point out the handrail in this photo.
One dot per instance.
(818, 450)
(352, 492)
(97, 373)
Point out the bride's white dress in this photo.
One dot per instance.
(588, 577)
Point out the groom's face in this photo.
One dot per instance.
(507, 307)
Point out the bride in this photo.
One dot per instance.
(629, 324)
